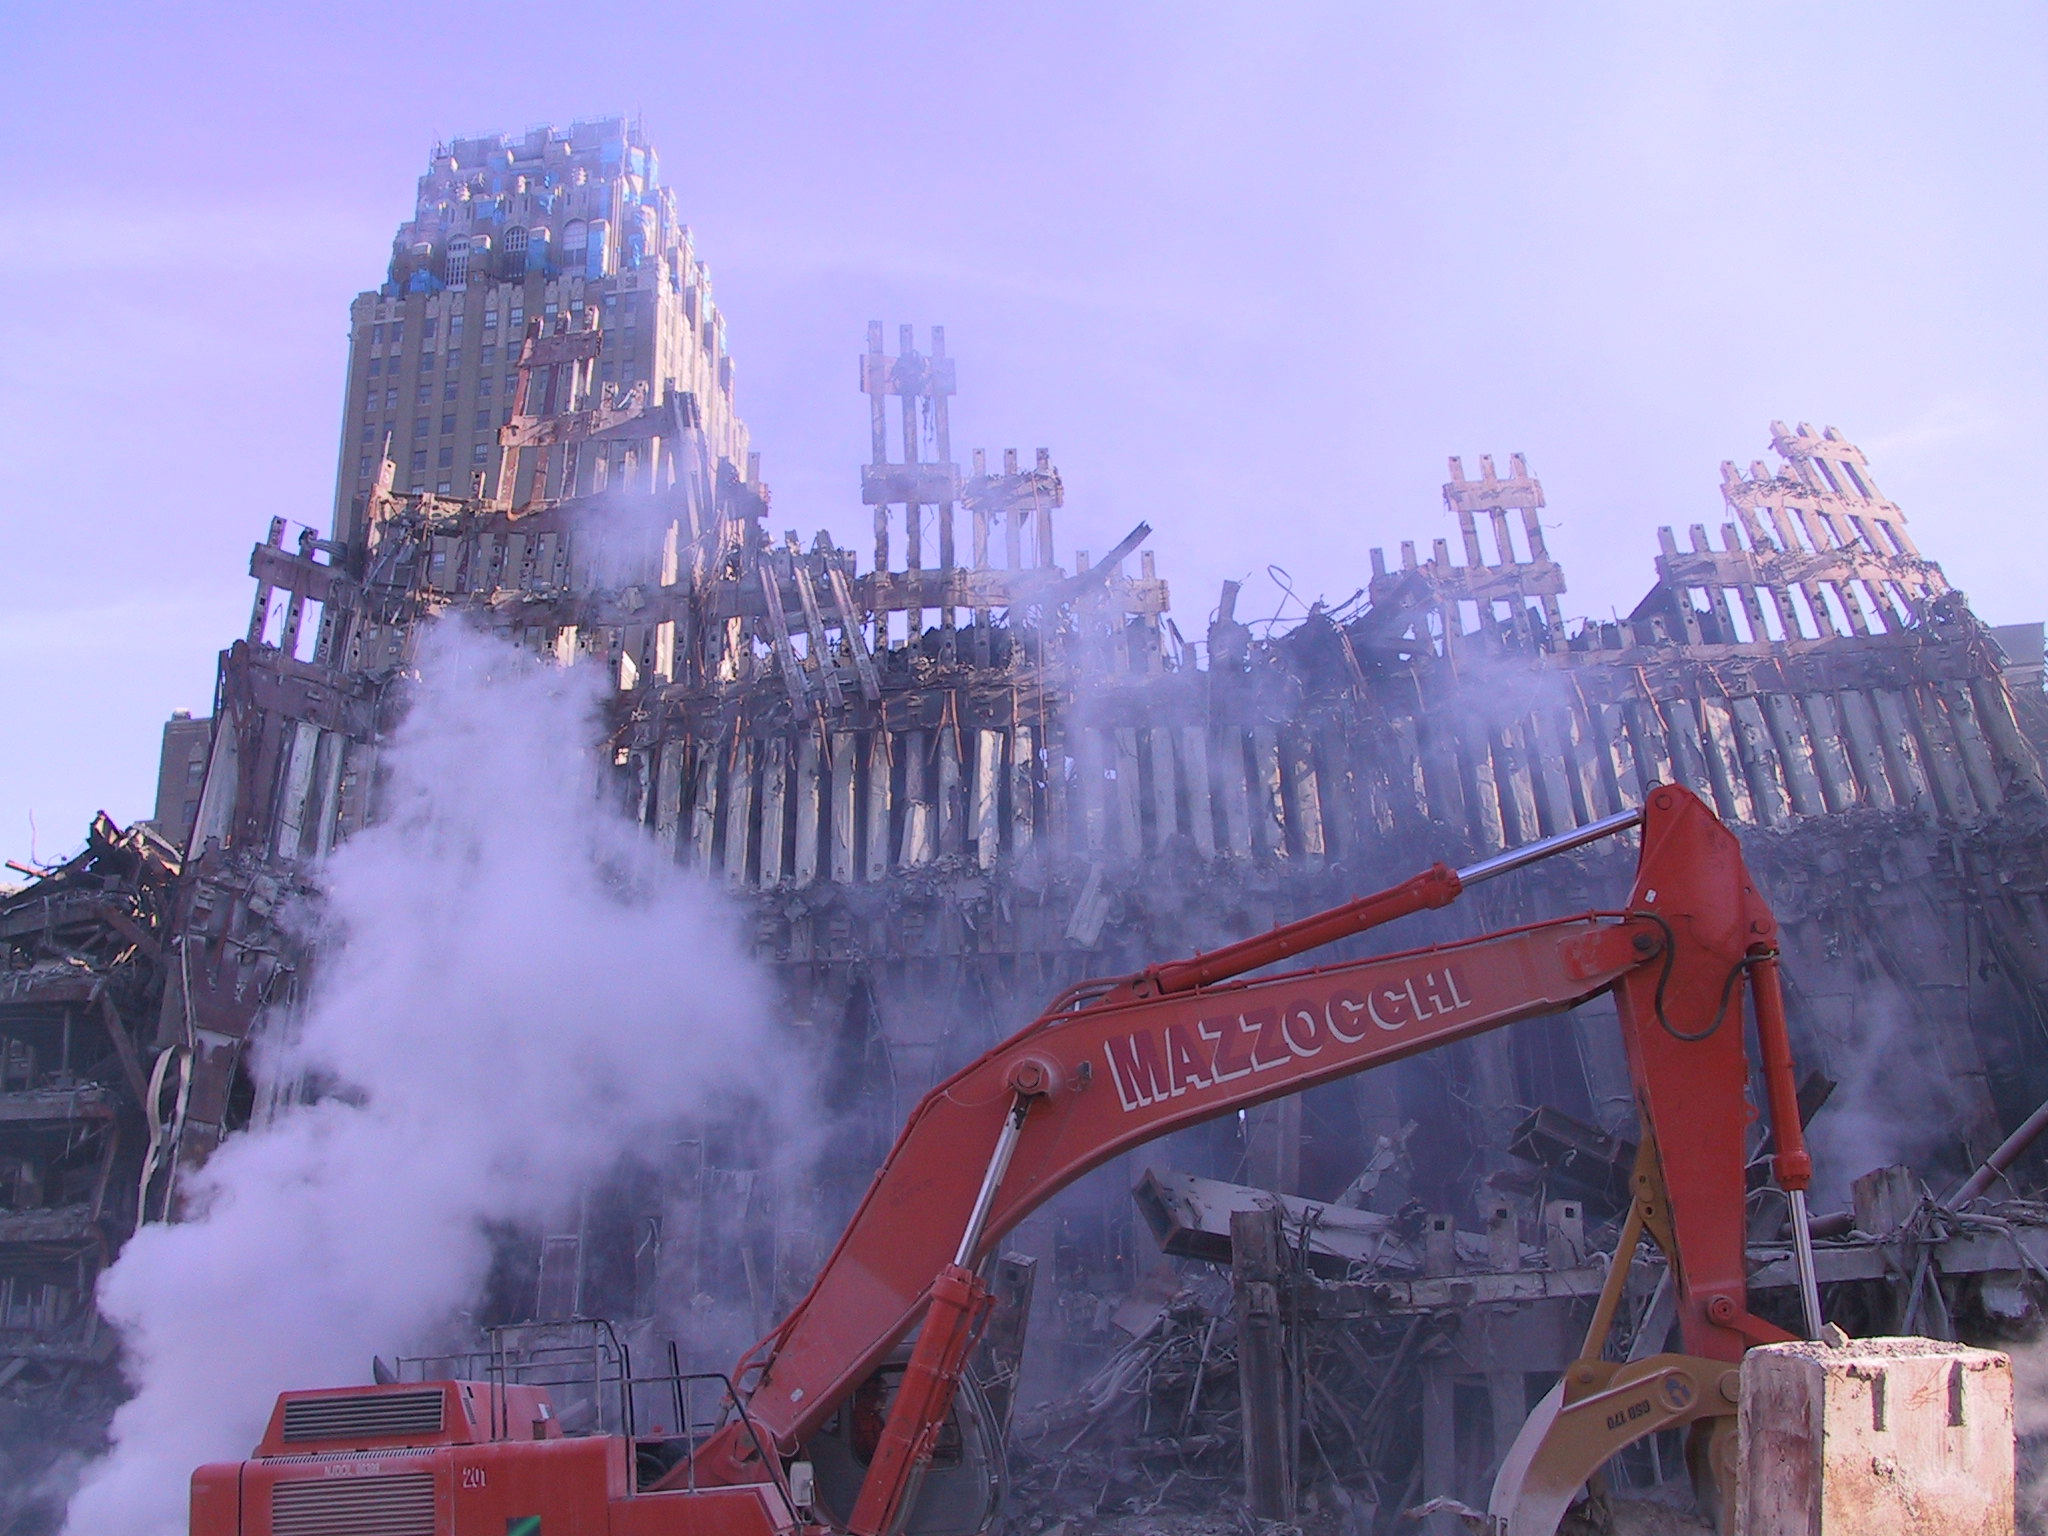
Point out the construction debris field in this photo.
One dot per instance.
(937, 781)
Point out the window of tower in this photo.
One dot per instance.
(575, 239)
(515, 240)
(456, 267)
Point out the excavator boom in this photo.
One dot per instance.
(1116, 1075)
(1110, 1066)
(1116, 1064)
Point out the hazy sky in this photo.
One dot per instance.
(1251, 272)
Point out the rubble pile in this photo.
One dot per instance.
(1152, 1439)
(83, 961)
(955, 781)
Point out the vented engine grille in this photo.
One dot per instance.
(372, 1414)
(398, 1505)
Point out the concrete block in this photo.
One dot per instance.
(1876, 1437)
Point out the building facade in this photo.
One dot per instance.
(553, 223)
(181, 768)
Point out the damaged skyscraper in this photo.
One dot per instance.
(951, 781)
(506, 230)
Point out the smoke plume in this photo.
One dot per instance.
(1894, 1102)
(513, 993)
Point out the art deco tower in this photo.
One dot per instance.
(507, 229)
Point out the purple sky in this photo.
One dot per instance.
(1250, 272)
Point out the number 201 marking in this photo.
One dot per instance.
(472, 1477)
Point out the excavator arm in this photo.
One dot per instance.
(1113, 1065)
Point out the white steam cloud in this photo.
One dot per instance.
(1895, 1101)
(513, 992)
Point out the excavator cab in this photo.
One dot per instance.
(561, 1427)
(548, 1429)
(965, 1484)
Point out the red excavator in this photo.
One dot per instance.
(1110, 1065)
